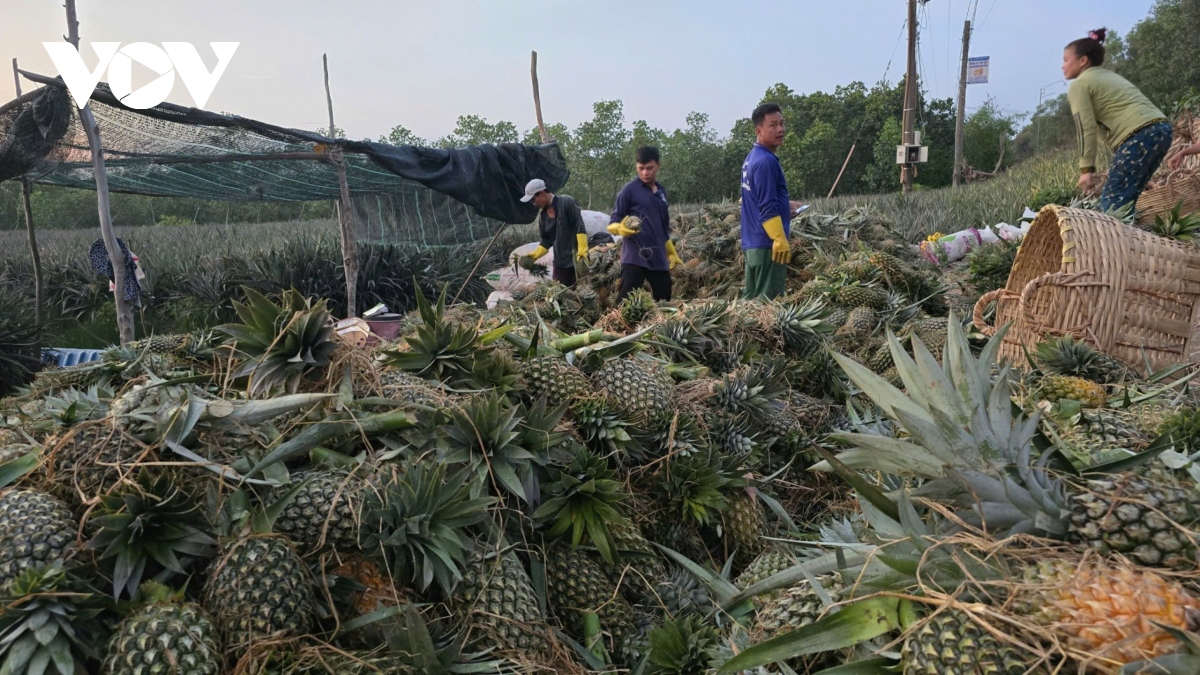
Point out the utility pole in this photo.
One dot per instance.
(115, 255)
(910, 96)
(961, 114)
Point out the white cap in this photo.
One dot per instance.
(532, 188)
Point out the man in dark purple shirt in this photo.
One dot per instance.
(647, 253)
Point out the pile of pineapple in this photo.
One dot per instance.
(843, 480)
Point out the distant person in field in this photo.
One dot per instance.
(647, 252)
(1107, 107)
(766, 210)
(560, 224)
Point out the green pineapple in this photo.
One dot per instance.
(167, 635)
(871, 297)
(555, 379)
(1184, 429)
(768, 563)
(755, 390)
(802, 327)
(325, 514)
(35, 530)
(259, 589)
(861, 322)
(91, 459)
(636, 307)
(951, 643)
(642, 387)
(797, 607)
(838, 316)
(681, 647)
(745, 524)
(497, 602)
(731, 435)
(576, 583)
(404, 386)
(604, 427)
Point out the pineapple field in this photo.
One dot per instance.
(843, 480)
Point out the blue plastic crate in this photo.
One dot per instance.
(71, 357)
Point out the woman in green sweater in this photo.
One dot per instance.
(1107, 105)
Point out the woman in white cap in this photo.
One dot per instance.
(560, 224)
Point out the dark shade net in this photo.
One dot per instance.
(401, 193)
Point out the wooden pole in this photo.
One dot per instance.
(961, 113)
(124, 310)
(38, 284)
(344, 208)
(537, 97)
(843, 171)
(910, 95)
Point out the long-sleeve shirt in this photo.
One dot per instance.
(764, 196)
(1105, 103)
(559, 232)
(647, 248)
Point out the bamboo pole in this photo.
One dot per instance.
(124, 311)
(38, 284)
(345, 209)
(537, 97)
(843, 171)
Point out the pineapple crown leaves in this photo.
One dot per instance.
(803, 325)
(49, 617)
(583, 498)
(238, 515)
(419, 523)
(537, 431)
(1177, 225)
(679, 647)
(692, 488)
(485, 435)
(604, 427)
(151, 521)
(954, 414)
(756, 389)
(280, 343)
(442, 351)
(73, 406)
(676, 433)
(12, 470)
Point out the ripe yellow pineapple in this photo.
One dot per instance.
(1088, 393)
(1107, 610)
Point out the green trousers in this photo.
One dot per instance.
(764, 277)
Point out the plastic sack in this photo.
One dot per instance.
(1010, 233)
(595, 222)
(956, 246)
(498, 297)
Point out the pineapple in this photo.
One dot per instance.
(732, 436)
(642, 387)
(1066, 356)
(259, 589)
(555, 379)
(91, 459)
(279, 345)
(1055, 387)
(583, 499)
(35, 529)
(871, 297)
(890, 265)
(639, 568)
(796, 607)
(682, 646)
(838, 316)
(1183, 428)
(325, 514)
(860, 322)
(168, 635)
(404, 386)
(951, 643)
(1112, 612)
(637, 307)
(576, 583)
(496, 599)
(801, 327)
(745, 523)
(768, 563)
(1139, 517)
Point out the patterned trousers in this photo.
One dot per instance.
(1134, 163)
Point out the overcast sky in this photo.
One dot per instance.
(421, 63)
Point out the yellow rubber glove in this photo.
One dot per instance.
(538, 253)
(673, 258)
(581, 250)
(781, 250)
(625, 228)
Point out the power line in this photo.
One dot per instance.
(989, 14)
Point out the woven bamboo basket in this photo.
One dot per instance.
(1129, 293)
(1168, 188)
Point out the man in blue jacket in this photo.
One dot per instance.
(766, 210)
(647, 252)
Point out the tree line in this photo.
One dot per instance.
(701, 164)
